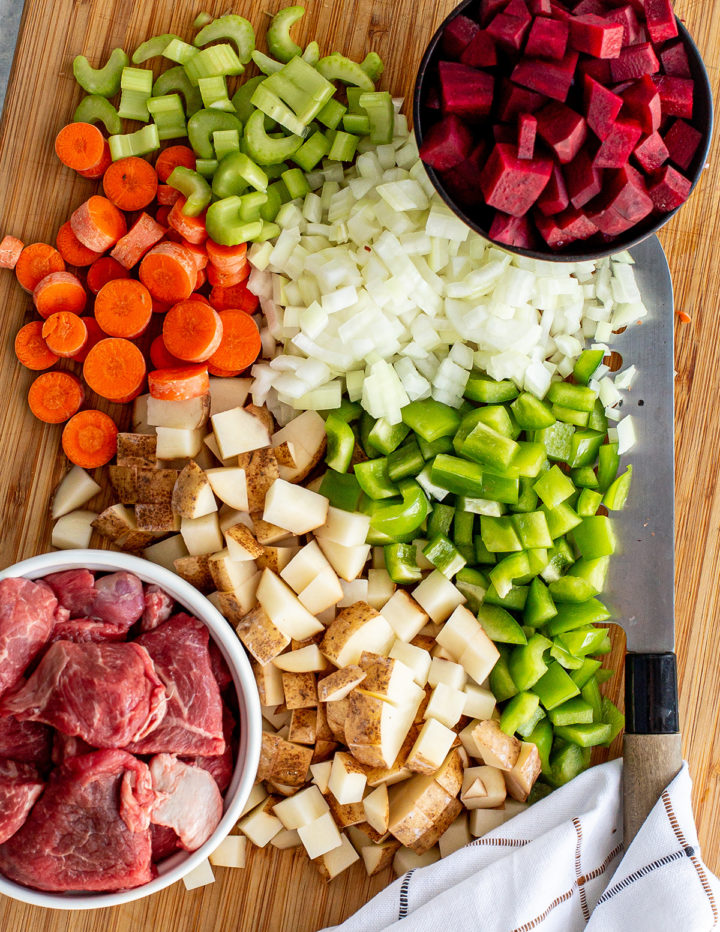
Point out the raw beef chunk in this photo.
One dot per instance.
(77, 836)
(64, 747)
(74, 589)
(188, 800)
(119, 601)
(220, 669)
(164, 842)
(221, 767)
(86, 630)
(28, 742)
(158, 607)
(27, 616)
(107, 694)
(20, 786)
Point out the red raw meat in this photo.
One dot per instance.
(632, 30)
(108, 694)
(508, 28)
(220, 669)
(527, 130)
(584, 180)
(20, 786)
(563, 130)
(28, 742)
(634, 61)
(457, 35)
(446, 144)
(660, 20)
(682, 141)
(193, 722)
(221, 767)
(675, 61)
(164, 842)
(480, 53)
(618, 145)
(669, 189)
(64, 747)
(642, 102)
(86, 630)
(555, 196)
(623, 203)
(565, 228)
(27, 616)
(74, 589)
(77, 836)
(188, 800)
(119, 600)
(158, 607)
(513, 231)
(651, 153)
(510, 184)
(596, 36)
(676, 95)
(548, 38)
(551, 78)
(516, 100)
(464, 91)
(601, 106)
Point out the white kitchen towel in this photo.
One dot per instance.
(560, 866)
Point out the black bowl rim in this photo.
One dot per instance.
(618, 245)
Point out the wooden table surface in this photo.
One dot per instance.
(281, 891)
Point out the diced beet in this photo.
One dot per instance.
(490, 8)
(676, 95)
(601, 106)
(669, 189)
(621, 87)
(504, 132)
(463, 181)
(596, 68)
(651, 153)
(563, 130)
(596, 36)
(552, 78)
(590, 6)
(559, 11)
(512, 231)
(527, 130)
(511, 184)
(583, 179)
(446, 144)
(518, 8)
(548, 38)
(634, 61)
(682, 141)
(618, 145)
(641, 101)
(660, 19)
(480, 53)
(510, 27)
(457, 35)
(565, 228)
(674, 60)
(465, 91)
(632, 30)
(555, 195)
(540, 7)
(623, 203)
(432, 99)
(515, 100)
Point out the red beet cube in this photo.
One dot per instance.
(551, 78)
(660, 19)
(511, 184)
(632, 30)
(548, 38)
(563, 130)
(509, 28)
(682, 141)
(432, 98)
(465, 91)
(674, 60)
(565, 228)
(463, 181)
(559, 11)
(504, 132)
(457, 36)
(490, 8)
(527, 130)
(669, 189)
(540, 7)
(583, 179)
(512, 231)
(596, 68)
(624, 202)
(596, 36)
(590, 6)
(480, 53)
(634, 61)
(651, 153)
(555, 195)
(601, 106)
(515, 100)
(676, 95)
(446, 144)
(618, 145)
(641, 101)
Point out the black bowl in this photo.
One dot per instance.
(480, 217)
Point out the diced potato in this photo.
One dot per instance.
(260, 636)
(236, 431)
(406, 859)
(525, 772)
(456, 837)
(320, 836)
(177, 442)
(356, 628)
(303, 726)
(195, 570)
(257, 795)
(301, 809)
(322, 593)
(241, 543)
(228, 574)
(354, 591)
(193, 495)
(344, 527)
(483, 821)
(158, 519)
(292, 507)
(229, 483)
(378, 857)
(139, 416)
(447, 672)
(479, 702)
(74, 491)
(483, 788)
(199, 876)
(337, 860)
(269, 683)
(304, 660)
(202, 535)
(380, 588)
(277, 717)
(321, 774)
(387, 678)
(182, 415)
(304, 567)
(211, 444)
(166, 552)
(307, 435)
(347, 779)
(283, 762)
(348, 562)
(74, 530)
(479, 657)
(446, 705)
(426, 804)
(437, 596)
(285, 609)
(236, 604)
(458, 631)
(497, 749)
(375, 729)
(338, 684)
(404, 614)
(261, 470)
(377, 809)
(417, 659)
(230, 852)
(431, 747)
(228, 393)
(137, 450)
(300, 690)
(260, 826)
(288, 838)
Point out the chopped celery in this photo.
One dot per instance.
(206, 167)
(103, 81)
(300, 86)
(235, 172)
(179, 51)
(332, 114)
(203, 124)
(142, 142)
(312, 53)
(278, 33)
(225, 141)
(379, 107)
(214, 60)
(295, 182)
(194, 187)
(232, 27)
(97, 109)
(202, 19)
(168, 115)
(150, 48)
(312, 151)
(343, 147)
(174, 80)
(356, 123)
(271, 105)
(337, 67)
(266, 64)
(268, 150)
(224, 224)
(136, 84)
(214, 93)
(241, 98)
(372, 65)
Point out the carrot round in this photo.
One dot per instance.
(190, 228)
(226, 258)
(94, 335)
(240, 345)
(72, 250)
(236, 297)
(30, 348)
(79, 146)
(160, 307)
(123, 308)
(170, 158)
(201, 279)
(59, 291)
(130, 183)
(104, 270)
(227, 279)
(35, 262)
(114, 369)
(97, 171)
(89, 439)
(167, 195)
(169, 272)
(179, 384)
(10, 249)
(55, 396)
(192, 331)
(161, 357)
(161, 215)
(222, 373)
(65, 333)
(143, 235)
(98, 224)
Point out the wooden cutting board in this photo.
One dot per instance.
(281, 891)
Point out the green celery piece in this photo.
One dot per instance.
(343, 147)
(608, 462)
(575, 711)
(168, 115)
(473, 586)
(374, 479)
(295, 182)
(613, 717)
(565, 658)
(590, 692)
(97, 109)
(482, 554)
(312, 53)
(337, 67)
(315, 148)
(617, 493)
(566, 763)
(235, 172)
(577, 397)
(532, 528)
(555, 686)
(270, 208)
(405, 461)
(431, 419)
(584, 478)
(594, 537)
(561, 519)
(214, 93)
(527, 497)
(527, 728)
(279, 43)
(500, 626)
(584, 447)
(518, 711)
(215, 60)
(570, 616)
(499, 534)
(142, 142)
(353, 99)
(586, 364)
(203, 124)
(372, 65)
(224, 224)
(554, 487)
(341, 489)
(542, 737)
(271, 105)
(136, 85)
(594, 571)
(178, 51)
(332, 114)
(589, 668)
(340, 443)
(539, 606)
(570, 415)
(357, 124)
(174, 80)
(531, 413)
(202, 19)
(226, 142)
(514, 598)
(150, 48)
(489, 448)
(193, 187)
(557, 441)
(379, 107)
(232, 27)
(401, 563)
(501, 682)
(571, 588)
(267, 231)
(585, 736)
(526, 663)
(104, 81)
(385, 437)
(588, 503)
(264, 149)
(300, 86)
(266, 64)
(598, 419)
(444, 556)
(397, 521)
(441, 517)
(482, 388)
(241, 98)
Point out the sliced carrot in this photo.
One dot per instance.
(161, 215)
(65, 333)
(226, 258)
(36, 261)
(72, 250)
(55, 396)
(190, 228)
(240, 345)
(104, 270)
(227, 279)
(201, 279)
(94, 335)
(59, 291)
(89, 439)
(196, 296)
(114, 368)
(123, 308)
(222, 373)
(169, 272)
(167, 195)
(98, 224)
(97, 171)
(143, 235)
(198, 253)
(179, 384)
(160, 307)
(10, 249)
(161, 357)
(192, 331)
(79, 146)
(236, 297)
(170, 158)
(30, 348)
(130, 183)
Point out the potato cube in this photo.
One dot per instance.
(447, 672)
(348, 562)
(438, 596)
(479, 657)
(241, 543)
(300, 690)
(260, 826)
(237, 431)
(479, 702)
(166, 552)
(379, 857)
(74, 530)
(195, 570)
(261, 470)
(356, 628)
(404, 614)
(347, 779)
(301, 809)
(406, 859)
(483, 788)
(202, 535)
(497, 749)
(337, 860)
(431, 747)
(322, 593)
(483, 821)
(344, 527)
(307, 563)
(199, 876)
(339, 684)
(417, 659)
(229, 483)
(228, 393)
(178, 443)
(77, 488)
(456, 837)
(230, 852)
(525, 772)
(446, 705)
(285, 609)
(380, 587)
(295, 508)
(190, 414)
(269, 683)
(260, 636)
(306, 659)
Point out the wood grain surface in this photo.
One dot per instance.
(281, 891)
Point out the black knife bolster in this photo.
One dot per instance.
(651, 696)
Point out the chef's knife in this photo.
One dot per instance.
(642, 577)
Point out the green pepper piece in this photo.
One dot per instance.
(444, 556)
(97, 109)
(532, 528)
(473, 586)
(526, 728)
(542, 737)
(482, 554)
(588, 503)
(608, 462)
(500, 626)
(232, 27)
(340, 443)
(174, 80)
(341, 489)
(379, 107)
(463, 531)
(499, 534)
(332, 114)
(577, 397)
(465, 478)
(585, 736)
(372, 65)
(518, 711)
(489, 448)
(142, 142)
(531, 413)
(594, 537)
(617, 493)
(366, 425)
(508, 571)
(482, 388)
(528, 462)
(589, 669)
(557, 441)
(264, 149)
(584, 477)
(604, 675)
(348, 411)
(374, 479)
(565, 658)
(590, 693)
(441, 517)
(539, 606)
(570, 616)
(401, 563)
(152, 47)
(561, 519)
(494, 416)
(527, 497)
(559, 558)
(570, 415)
(586, 364)
(212, 61)
(583, 641)
(584, 447)
(554, 487)
(385, 437)
(501, 682)
(193, 187)
(336, 67)
(555, 686)
(613, 717)
(400, 520)
(312, 53)
(566, 763)
(480, 506)
(431, 419)
(405, 461)
(575, 711)
(514, 598)
(103, 81)
(203, 124)
(280, 45)
(572, 589)
(526, 664)
(598, 419)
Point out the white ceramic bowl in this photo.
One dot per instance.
(175, 867)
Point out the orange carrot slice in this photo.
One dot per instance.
(143, 235)
(79, 146)
(226, 258)
(240, 345)
(123, 308)
(171, 157)
(169, 272)
(10, 249)
(104, 270)
(161, 357)
(65, 333)
(236, 297)
(30, 348)
(190, 228)
(201, 279)
(97, 171)
(94, 335)
(72, 250)
(35, 262)
(89, 439)
(114, 369)
(222, 373)
(161, 215)
(179, 384)
(98, 224)
(160, 307)
(130, 183)
(55, 396)
(167, 195)
(227, 279)
(192, 331)
(59, 291)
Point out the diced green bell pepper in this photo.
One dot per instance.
(557, 440)
(499, 534)
(559, 558)
(441, 517)
(603, 675)
(405, 461)
(518, 711)
(401, 563)
(539, 606)
(584, 477)
(586, 364)
(565, 658)
(431, 449)
(571, 588)
(617, 493)
(590, 692)
(489, 448)
(341, 489)
(531, 413)
(585, 736)
(527, 497)
(488, 391)
(482, 554)
(554, 487)
(570, 416)
(566, 763)
(340, 443)
(385, 437)
(561, 519)
(555, 686)
(570, 616)
(527, 728)
(528, 461)
(465, 478)
(595, 537)
(501, 682)
(598, 419)
(588, 503)
(444, 556)
(575, 711)
(608, 462)
(526, 663)
(473, 586)
(374, 480)
(500, 626)
(584, 447)
(589, 668)
(431, 419)
(542, 737)
(514, 598)
(613, 717)
(510, 569)
(400, 520)
(577, 397)
(532, 528)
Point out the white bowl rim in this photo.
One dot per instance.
(178, 865)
